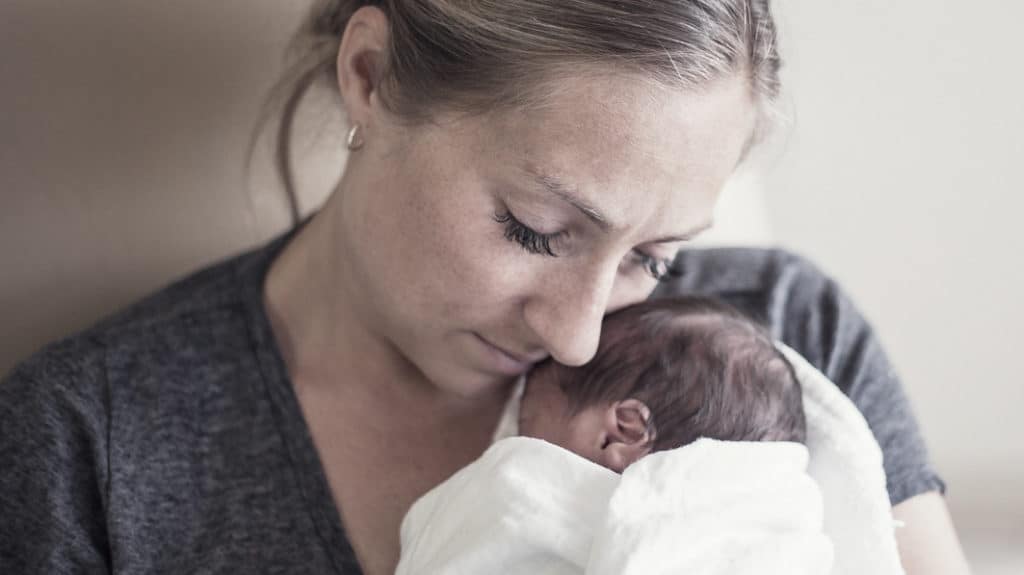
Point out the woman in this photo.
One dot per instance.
(517, 170)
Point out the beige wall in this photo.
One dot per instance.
(902, 176)
(122, 144)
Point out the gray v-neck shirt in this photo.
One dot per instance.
(168, 438)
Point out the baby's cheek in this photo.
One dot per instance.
(585, 432)
(541, 412)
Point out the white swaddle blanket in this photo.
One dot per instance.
(709, 508)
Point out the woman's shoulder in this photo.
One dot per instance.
(789, 295)
(167, 405)
(226, 284)
(771, 285)
(183, 343)
(206, 308)
(740, 269)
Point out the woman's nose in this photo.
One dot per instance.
(566, 314)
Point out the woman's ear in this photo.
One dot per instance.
(627, 434)
(361, 60)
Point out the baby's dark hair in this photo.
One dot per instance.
(701, 367)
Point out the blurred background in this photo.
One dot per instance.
(125, 128)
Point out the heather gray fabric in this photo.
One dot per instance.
(167, 438)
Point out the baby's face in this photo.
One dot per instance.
(544, 414)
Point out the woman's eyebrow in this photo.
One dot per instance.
(568, 194)
(684, 237)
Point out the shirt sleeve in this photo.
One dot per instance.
(53, 442)
(808, 311)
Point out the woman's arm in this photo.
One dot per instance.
(928, 543)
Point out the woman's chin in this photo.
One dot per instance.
(468, 382)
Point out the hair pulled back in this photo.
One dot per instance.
(474, 56)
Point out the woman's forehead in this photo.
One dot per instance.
(608, 129)
(613, 142)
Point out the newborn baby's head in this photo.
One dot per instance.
(666, 373)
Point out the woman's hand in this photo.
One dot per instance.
(928, 544)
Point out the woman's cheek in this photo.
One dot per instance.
(631, 286)
(495, 262)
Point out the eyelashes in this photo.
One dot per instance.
(530, 240)
(537, 243)
(662, 270)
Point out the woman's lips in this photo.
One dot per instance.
(505, 361)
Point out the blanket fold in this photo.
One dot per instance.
(715, 508)
(525, 507)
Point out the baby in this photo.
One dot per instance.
(559, 499)
(666, 373)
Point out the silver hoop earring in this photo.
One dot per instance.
(355, 137)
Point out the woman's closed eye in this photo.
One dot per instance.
(661, 269)
(534, 242)
(530, 240)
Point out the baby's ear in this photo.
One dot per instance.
(627, 434)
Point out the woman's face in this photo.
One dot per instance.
(522, 230)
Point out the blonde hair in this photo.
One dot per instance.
(474, 56)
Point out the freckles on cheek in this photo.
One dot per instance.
(462, 262)
(487, 275)
(457, 256)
